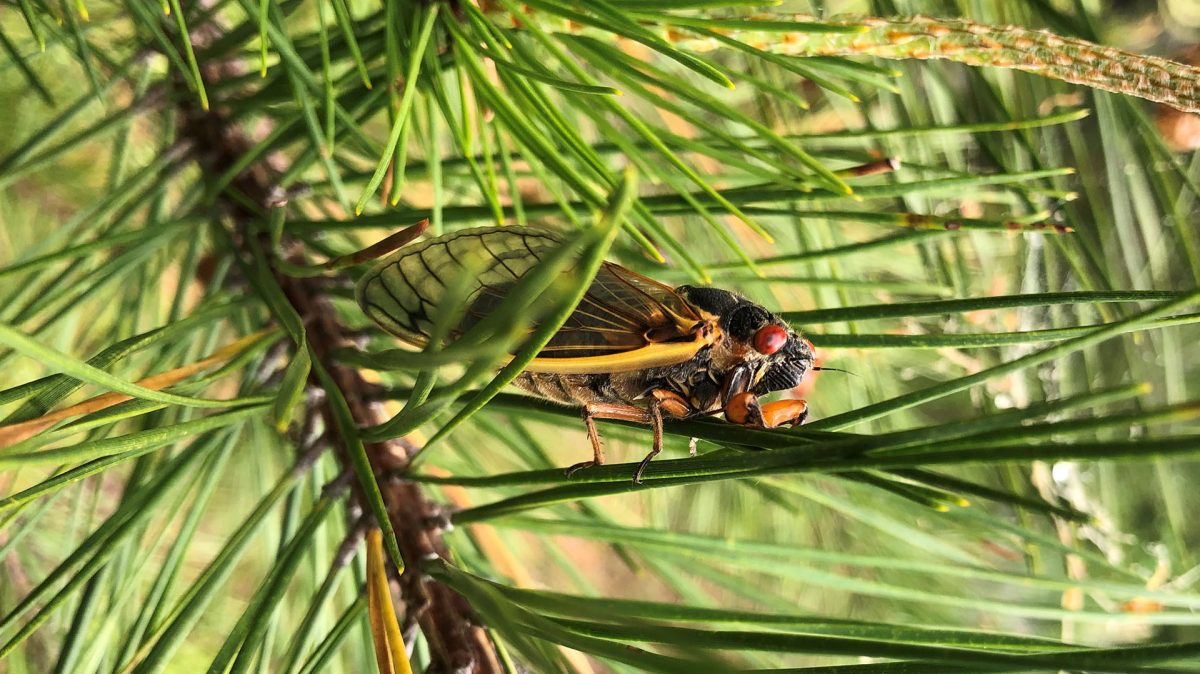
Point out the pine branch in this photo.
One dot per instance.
(917, 37)
(458, 643)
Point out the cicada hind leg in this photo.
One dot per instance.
(660, 401)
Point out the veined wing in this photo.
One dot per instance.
(622, 310)
(625, 320)
(407, 289)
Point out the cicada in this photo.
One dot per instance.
(633, 349)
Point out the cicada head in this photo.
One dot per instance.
(753, 336)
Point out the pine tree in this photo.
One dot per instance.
(212, 460)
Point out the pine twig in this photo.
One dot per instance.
(457, 641)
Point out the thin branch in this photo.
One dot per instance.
(458, 643)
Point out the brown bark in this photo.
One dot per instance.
(457, 642)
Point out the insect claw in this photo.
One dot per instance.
(571, 470)
(637, 474)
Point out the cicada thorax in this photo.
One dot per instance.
(753, 340)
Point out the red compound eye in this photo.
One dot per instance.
(769, 339)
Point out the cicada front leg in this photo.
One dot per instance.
(744, 408)
(780, 412)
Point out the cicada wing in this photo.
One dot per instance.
(621, 315)
(621, 311)
(405, 292)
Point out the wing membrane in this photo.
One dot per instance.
(622, 313)
(405, 291)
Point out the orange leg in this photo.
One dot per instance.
(656, 424)
(653, 415)
(744, 408)
(672, 403)
(783, 412)
(593, 411)
(594, 437)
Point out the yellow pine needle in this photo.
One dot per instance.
(385, 630)
(10, 435)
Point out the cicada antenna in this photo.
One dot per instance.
(833, 369)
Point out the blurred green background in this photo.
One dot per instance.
(978, 146)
